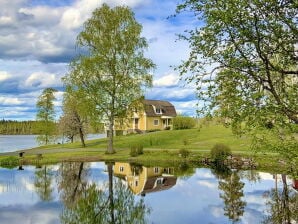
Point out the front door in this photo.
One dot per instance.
(136, 123)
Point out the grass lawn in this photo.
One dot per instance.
(161, 146)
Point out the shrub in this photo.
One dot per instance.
(184, 153)
(136, 150)
(220, 152)
(183, 122)
(9, 162)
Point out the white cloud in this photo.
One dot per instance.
(6, 20)
(4, 76)
(42, 80)
(167, 80)
(10, 101)
(32, 37)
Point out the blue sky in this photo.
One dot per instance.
(37, 42)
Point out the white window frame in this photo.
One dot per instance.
(121, 168)
(157, 122)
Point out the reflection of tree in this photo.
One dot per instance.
(72, 181)
(43, 183)
(184, 171)
(232, 196)
(251, 175)
(221, 171)
(114, 204)
(282, 205)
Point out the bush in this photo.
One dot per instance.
(136, 150)
(184, 153)
(220, 152)
(183, 122)
(9, 162)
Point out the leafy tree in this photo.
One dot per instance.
(251, 45)
(244, 61)
(74, 119)
(46, 114)
(114, 72)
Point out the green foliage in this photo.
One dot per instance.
(46, 114)
(183, 122)
(252, 48)
(136, 149)
(9, 127)
(9, 162)
(220, 152)
(115, 71)
(184, 153)
(243, 61)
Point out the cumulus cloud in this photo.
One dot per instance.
(37, 41)
(42, 80)
(4, 76)
(10, 101)
(167, 80)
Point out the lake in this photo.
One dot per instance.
(77, 192)
(10, 143)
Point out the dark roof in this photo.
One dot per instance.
(167, 108)
(167, 183)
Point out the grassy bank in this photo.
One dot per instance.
(159, 147)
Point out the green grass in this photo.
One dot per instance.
(161, 147)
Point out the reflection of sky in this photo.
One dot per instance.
(19, 202)
(192, 200)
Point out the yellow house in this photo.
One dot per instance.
(142, 180)
(153, 115)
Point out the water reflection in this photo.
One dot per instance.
(142, 180)
(232, 195)
(113, 203)
(43, 183)
(72, 178)
(282, 203)
(77, 192)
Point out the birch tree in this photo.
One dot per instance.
(113, 71)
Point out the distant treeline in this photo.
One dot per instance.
(9, 127)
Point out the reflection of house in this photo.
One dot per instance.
(142, 180)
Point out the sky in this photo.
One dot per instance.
(37, 42)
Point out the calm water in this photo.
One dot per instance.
(10, 143)
(130, 193)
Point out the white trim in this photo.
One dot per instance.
(157, 122)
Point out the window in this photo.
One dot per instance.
(121, 168)
(156, 170)
(136, 183)
(158, 111)
(156, 122)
